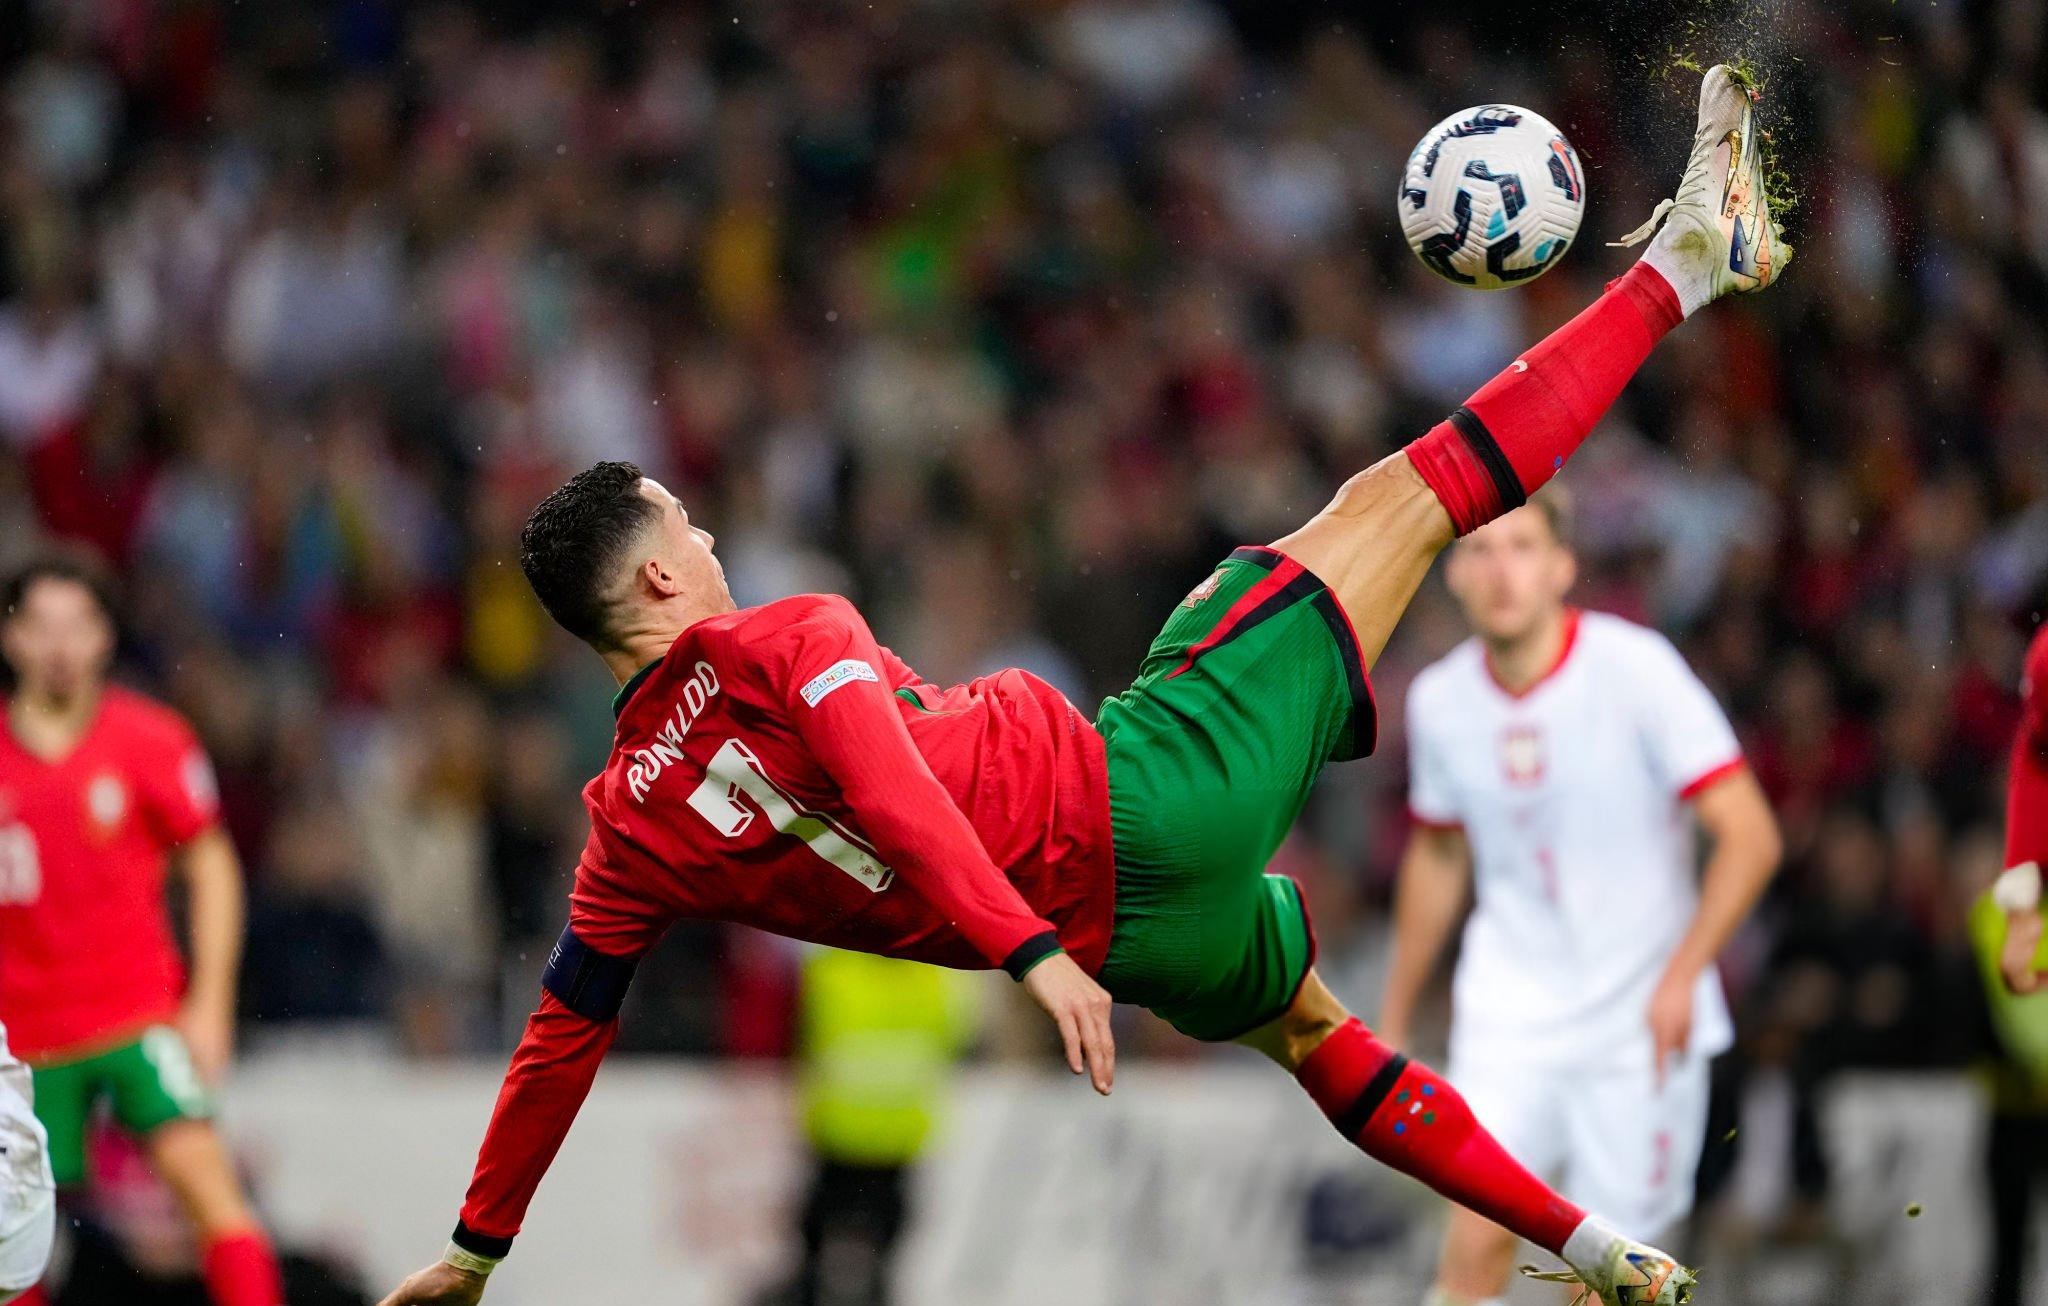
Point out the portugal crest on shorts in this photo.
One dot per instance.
(1522, 755)
(1203, 590)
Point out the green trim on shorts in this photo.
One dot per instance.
(146, 1084)
(1254, 684)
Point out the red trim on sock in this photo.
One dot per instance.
(1423, 1128)
(1449, 467)
(241, 1270)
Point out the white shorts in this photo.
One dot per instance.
(1612, 1142)
(28, 1192)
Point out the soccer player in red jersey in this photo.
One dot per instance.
(101, 791)
(776, 767)
(2026, 829)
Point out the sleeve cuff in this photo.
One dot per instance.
(1708, 779)
(1030, 952)
(480, 1245)
(1419, 821)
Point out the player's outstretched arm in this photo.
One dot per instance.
(207, 1019)
(1435, 881)
(551, 1073)
(1737, 821)
(827, 664)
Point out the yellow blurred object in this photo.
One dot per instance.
(2020, 1023)
(879, 1038)
(507, 628)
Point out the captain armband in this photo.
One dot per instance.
(588, 982)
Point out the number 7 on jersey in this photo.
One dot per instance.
(735, 770)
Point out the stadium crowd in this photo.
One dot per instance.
(1006, 319)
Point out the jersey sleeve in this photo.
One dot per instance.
(1687, 735)
(2034, 695)
(835, 683)
(1432, 800)
(2026, 820)
(174, 782)
(582, 989)
(544, 1088)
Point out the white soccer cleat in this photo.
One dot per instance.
(1627, 1274)
(1718, 236)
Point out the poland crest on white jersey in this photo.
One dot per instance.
(1575, 797)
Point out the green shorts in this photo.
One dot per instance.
(146, 1084)
(1254, 684)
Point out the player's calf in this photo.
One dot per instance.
(1404, 1115)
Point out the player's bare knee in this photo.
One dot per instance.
(1313, 1016)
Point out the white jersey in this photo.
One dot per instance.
(1574, 797)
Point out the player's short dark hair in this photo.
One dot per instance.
(575, 541)
(1554, 502)
(67, 568)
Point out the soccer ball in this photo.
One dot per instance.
(1492, 197)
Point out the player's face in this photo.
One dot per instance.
(1511, 575)
(59, 642)
(684, 546)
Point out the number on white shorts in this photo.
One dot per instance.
(734, 771)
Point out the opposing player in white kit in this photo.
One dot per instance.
(28, 1192)
(1559, 763)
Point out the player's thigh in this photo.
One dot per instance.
(1635, 1144)
(1522, 1104)
(1248, 691)
(1373, 545)
(153, 1082)
(1253, 961)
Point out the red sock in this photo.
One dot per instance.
(1401, 1114)
(1513, 436)
(241, 1270)
(33, 1297)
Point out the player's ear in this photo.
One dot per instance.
(660, 578)
(1567, 571)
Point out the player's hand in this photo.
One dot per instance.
(209, 1032)
(2022, 942)
(1671, 1016)
(440, 1284)
(1080, 1007)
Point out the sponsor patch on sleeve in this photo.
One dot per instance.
(832, 677)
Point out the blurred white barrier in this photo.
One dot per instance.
(1209, 1186)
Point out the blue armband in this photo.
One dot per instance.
(588, 982)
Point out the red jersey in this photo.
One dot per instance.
(2026, 822)
(782, 770)
(778, 768)
(86, 952)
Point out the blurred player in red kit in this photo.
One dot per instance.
(2018, 891)
(776, 767)
(101, 792)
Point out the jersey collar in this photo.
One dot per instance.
(1564, 655)
(625, 694)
